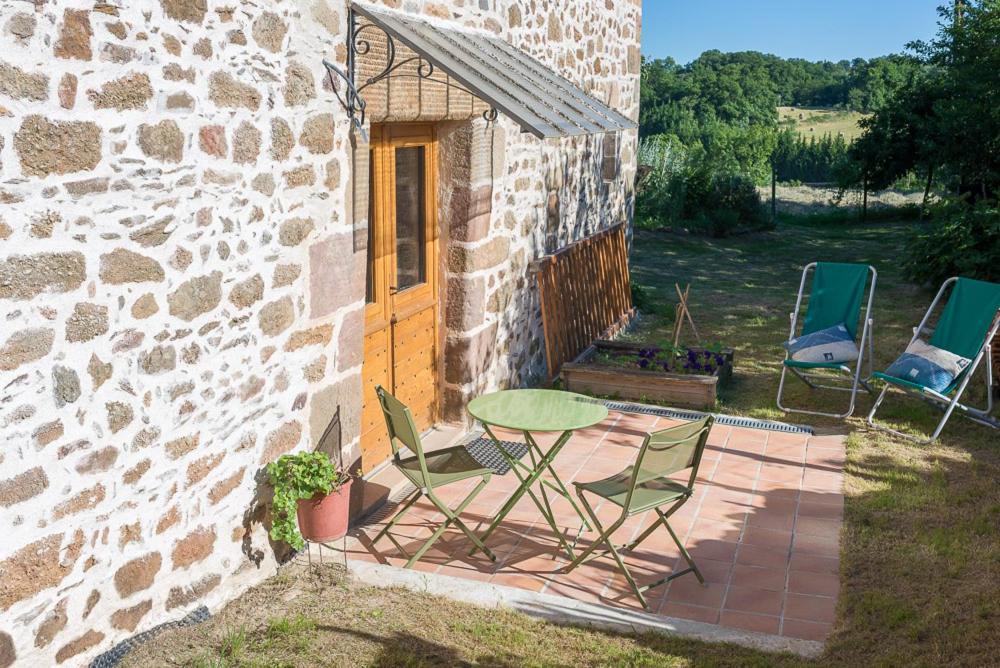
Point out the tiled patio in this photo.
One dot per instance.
(763, 526)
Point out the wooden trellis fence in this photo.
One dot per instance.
(585, 294)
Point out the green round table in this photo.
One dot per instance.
(530, 411)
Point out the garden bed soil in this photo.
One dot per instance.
(697, 391)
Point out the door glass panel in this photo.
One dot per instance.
(370, 279)
(410, 260)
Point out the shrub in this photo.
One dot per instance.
(684, 188)
(962, 240)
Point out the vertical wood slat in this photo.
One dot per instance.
(585, 294)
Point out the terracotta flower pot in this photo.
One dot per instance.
(324, 517)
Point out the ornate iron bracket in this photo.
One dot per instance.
(359, 45)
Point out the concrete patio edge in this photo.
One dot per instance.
(564, 610)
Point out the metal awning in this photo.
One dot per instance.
(512, 82)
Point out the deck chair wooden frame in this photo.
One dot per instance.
(655, 491)
(811, 374)
(428, 471)
(950, 399)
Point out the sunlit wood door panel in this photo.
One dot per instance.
(401, 317)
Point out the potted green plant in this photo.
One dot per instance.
(311, 498)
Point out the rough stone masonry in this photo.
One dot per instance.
(181, 296)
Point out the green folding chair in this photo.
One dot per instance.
(967, 327)
(428, 472)
(646, 485)
(835, 298)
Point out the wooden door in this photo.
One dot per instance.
(401, 314)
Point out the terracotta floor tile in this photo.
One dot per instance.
(771, 579)
(832, 497)
(821, 511)
(817, 584)
(811, 563)
(718, 572)
(785, 473)
(794, 628)
(749, 622)
(819, 545)
(709, 529)
(753, 555)
(757, 601)
(814, 526)
(712, 549)
(810, 608)
(772, 539)
(689, 590)
(695, 613)
(775, 518)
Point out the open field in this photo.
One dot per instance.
(920, 560)
(804, 200)
(816, 122)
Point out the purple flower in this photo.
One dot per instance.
(643, 363)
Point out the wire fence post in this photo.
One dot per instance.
(774, 192)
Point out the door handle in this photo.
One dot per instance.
(393, 289)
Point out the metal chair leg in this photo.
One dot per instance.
(687, 556)
(450, 518)
(602, 537)
(399, 514)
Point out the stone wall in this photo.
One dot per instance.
(181, 295)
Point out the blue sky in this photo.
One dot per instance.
(811, 29)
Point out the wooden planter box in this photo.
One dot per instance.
(682, 390)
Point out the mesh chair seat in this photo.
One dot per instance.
(443, 466)
(649, 494)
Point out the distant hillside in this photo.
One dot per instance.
(819, 121)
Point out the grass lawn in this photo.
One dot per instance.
(308, 618)
(816, 122)
(920, 564)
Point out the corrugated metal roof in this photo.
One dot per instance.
(539, 100)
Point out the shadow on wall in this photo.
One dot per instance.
(578, 203)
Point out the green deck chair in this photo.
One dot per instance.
(645, 485)
(428, 471)
(835, 298)
(967, 327)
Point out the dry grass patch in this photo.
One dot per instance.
(319, 617)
